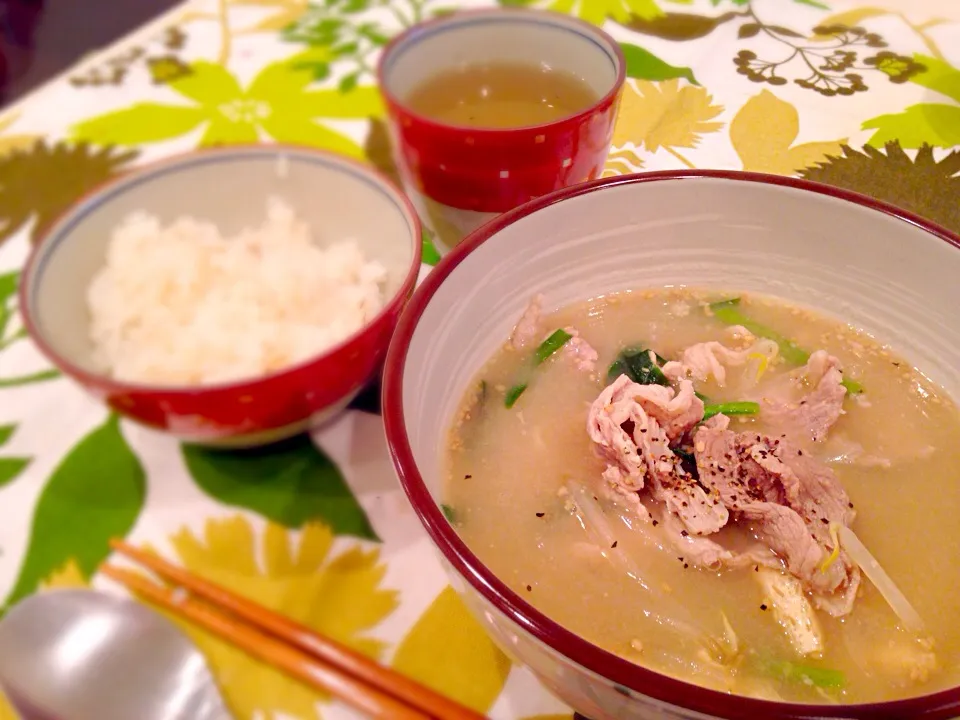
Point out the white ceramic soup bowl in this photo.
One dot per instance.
(883, 270)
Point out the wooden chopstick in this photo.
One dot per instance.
(291, 661)
(330, 652)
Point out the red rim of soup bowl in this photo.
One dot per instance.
(941, 705)
(537, 152)
(152, 405)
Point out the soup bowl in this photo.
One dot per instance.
(883, 270)
(339, 199)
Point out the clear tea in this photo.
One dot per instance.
(501, 95)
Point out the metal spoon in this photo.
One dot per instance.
(85, 655)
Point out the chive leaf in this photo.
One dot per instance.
(802, 673)
(549, 346)
(728, 312)
(743, 407)
(513, 394)
(641, 365)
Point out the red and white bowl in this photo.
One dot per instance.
(339, 199)
(887, 271)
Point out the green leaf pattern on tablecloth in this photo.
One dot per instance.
(645, 65)
(95, 493)
(922, 183)
(858, 95)
(276, 104)
(932, 123)
(597, 11)
(291, 483)
(11, 333)
(40, 181)
(159, 54)
(10, 466)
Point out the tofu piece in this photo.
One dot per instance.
(792, 610)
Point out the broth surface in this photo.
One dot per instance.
(506, 469)
(501, 95)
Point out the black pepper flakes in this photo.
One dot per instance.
(467, 477)
(614, 544)
(655, 523)
(684, 533)
(529, 588)
(763, 606)
(540, 514)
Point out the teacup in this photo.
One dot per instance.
(459, 177)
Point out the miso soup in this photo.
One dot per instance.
(700, 483)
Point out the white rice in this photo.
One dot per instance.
(184, 305)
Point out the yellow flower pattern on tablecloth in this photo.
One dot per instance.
(6, 712)
(763, 133)
(338, 594)
(449, 651)
(68, 575)
(666, 115)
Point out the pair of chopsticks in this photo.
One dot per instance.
(296, 650)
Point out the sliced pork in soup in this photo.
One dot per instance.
(744, 494)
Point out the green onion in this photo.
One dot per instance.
(549, 346)
(513, 394)
(728, 312)
(449, 513)
(800, 673)
(641, 365)
(743, 407)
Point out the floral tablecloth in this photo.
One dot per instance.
(860, 96)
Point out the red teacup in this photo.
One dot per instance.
(459, 177)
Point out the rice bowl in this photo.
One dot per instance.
(365, 232)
